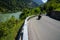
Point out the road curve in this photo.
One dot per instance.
(44, 29)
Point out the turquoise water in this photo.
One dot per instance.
(4, 17)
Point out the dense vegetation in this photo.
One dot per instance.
(15, 5)
(19, 5)
(51, 5)
(12, 5)
(9, 28)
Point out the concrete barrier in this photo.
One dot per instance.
(25, 28)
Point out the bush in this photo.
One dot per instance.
(7, 27)
(3, 30)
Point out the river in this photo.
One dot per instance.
(4, 17)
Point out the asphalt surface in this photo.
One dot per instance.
(44, 29)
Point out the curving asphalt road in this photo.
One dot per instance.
(43, 29)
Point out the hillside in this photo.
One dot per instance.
(51, 5)
(15, 5)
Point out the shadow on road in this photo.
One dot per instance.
(54, 14)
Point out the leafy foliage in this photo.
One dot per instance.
(51, 5)
(6, 27)
(13, 5)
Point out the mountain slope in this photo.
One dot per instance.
(15, 5)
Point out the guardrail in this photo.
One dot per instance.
(25, 28)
